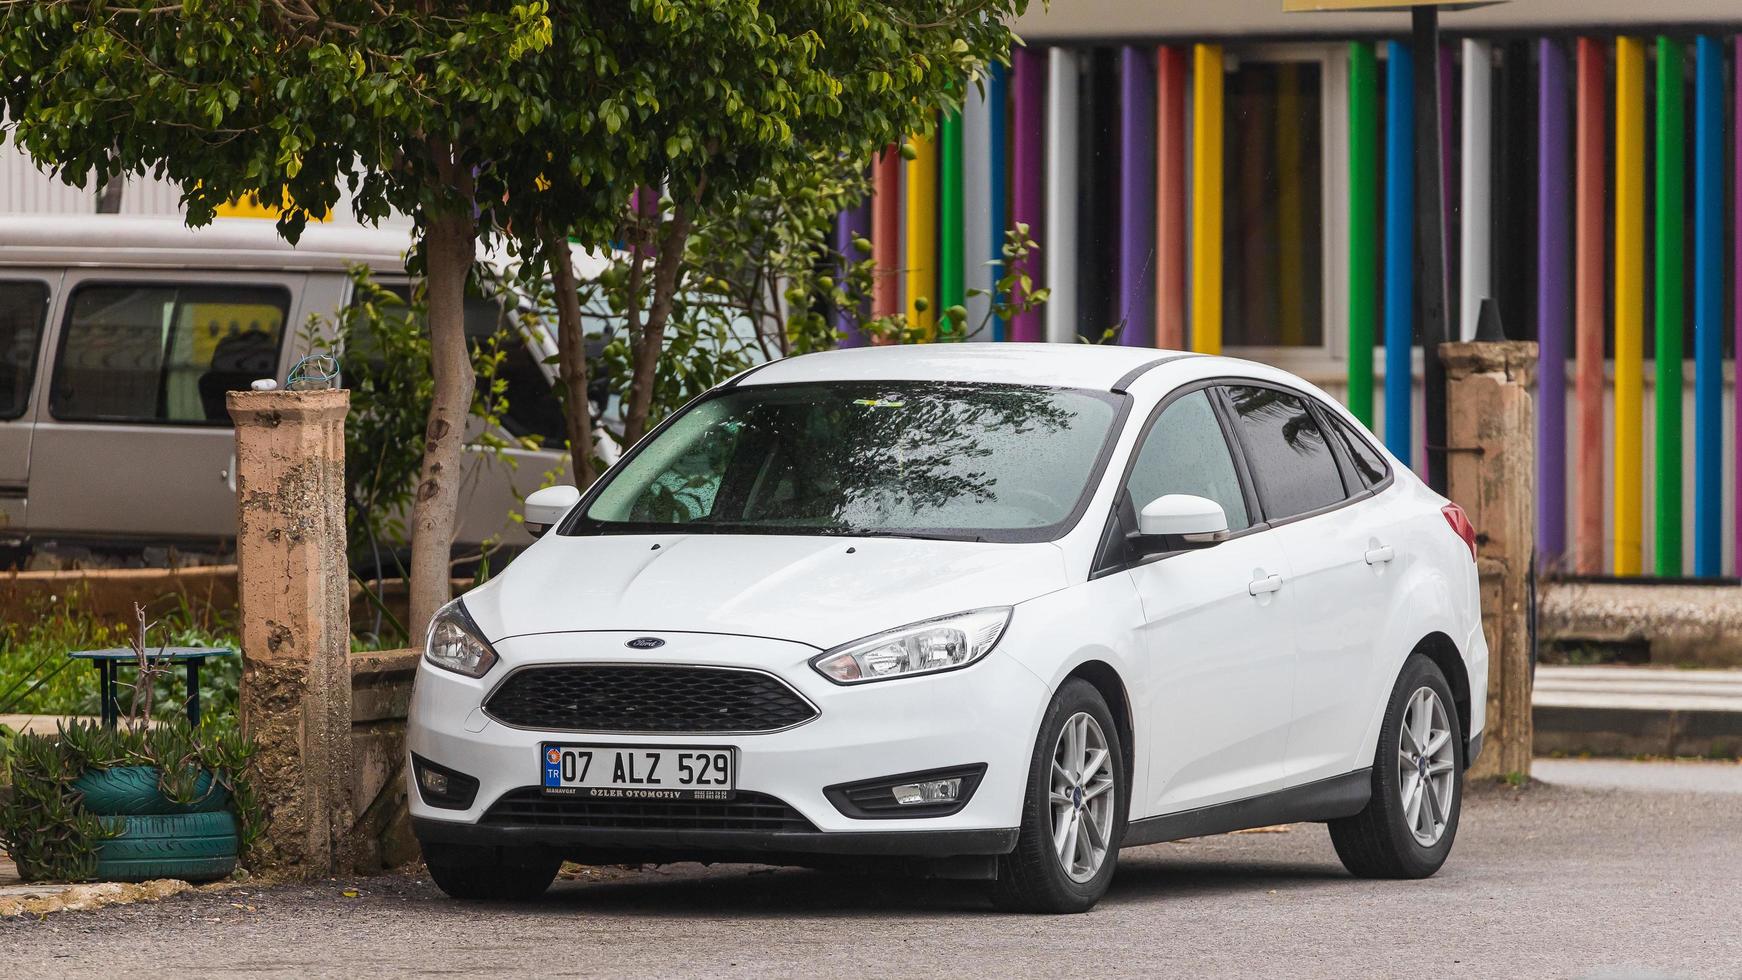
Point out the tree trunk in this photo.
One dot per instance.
(449, 244)
(644, 350)
(571, 348)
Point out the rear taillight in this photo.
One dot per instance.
(1461, 526)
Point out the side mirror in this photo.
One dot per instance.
(546, 507)
(1180, 521)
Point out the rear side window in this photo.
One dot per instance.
(164, 353)
(1369, 465)
(23, 309)
(1286, 451)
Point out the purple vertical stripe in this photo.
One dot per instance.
(851, 223)
(1554, 181)
(1136, 197)
(1028, 170)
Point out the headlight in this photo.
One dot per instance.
(934, 645)
(455, 644)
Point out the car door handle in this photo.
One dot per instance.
(1259, 586)
(1380, 555)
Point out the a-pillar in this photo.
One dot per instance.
(293, 580)
(1491, 473)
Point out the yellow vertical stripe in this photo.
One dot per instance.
(1629, 299)
(1207, 198)
(922, 234)
(1290, 265)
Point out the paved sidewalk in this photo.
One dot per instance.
(1638, 711)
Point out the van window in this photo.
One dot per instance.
(164, 353)
(533, 405)
(23, 308)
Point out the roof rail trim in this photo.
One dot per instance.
(1131, 376)
(732, 382)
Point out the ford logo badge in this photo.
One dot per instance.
(645, 643)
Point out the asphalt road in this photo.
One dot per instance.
(1613, 870)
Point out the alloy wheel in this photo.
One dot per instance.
(1425, 762)
(1082, 797)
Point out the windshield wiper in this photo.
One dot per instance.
(876, 532)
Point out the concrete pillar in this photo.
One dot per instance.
(1491, 464)
(293, 581)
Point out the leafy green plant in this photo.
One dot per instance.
(36, 676)
(43, 824)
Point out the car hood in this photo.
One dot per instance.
(822, 591)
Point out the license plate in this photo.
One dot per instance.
(629, 772)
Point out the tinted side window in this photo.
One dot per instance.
(1185, 452)
(164, 353)
(23, 307)
(1286, 451)
(534, 408)
(1369, 465)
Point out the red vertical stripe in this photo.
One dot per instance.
(1588, 313)
(1170, 197)
(886, 231)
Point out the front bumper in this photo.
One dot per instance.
(987, 713)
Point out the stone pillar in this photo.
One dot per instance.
(1491, 463)
(296, 630)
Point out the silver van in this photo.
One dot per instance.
(119, 337)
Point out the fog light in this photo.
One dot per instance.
(930, 791)
(441, 787)
(434, 782)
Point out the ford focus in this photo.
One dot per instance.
(974, 611)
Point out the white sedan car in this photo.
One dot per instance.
(990, 611)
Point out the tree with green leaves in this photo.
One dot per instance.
(478, 118)
(730, 101)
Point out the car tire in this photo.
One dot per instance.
(1033, 877)
(491, 873)
(189, 846)
(1393, 837)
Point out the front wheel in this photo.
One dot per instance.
(1074, 815)
(491, 873)
(1407, 829)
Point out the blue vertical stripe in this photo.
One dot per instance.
(1399, 248)
(998, 102)
(1708, 306)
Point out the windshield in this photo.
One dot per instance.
(913, 458)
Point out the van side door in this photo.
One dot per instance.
(25, 298)
(133, 439)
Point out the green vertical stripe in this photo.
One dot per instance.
(1668, 297)
(951, 291)
(1363, 225)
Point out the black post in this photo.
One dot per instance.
(1430, 242)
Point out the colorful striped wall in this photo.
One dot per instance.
(1187, 195)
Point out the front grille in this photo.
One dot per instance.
(647, 700)
(745, 811)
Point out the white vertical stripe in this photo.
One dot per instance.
(1476, 186)
(1334, 110)
(1060, 247)
(977, 244)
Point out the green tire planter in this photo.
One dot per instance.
(128, 790)
(189, 846)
